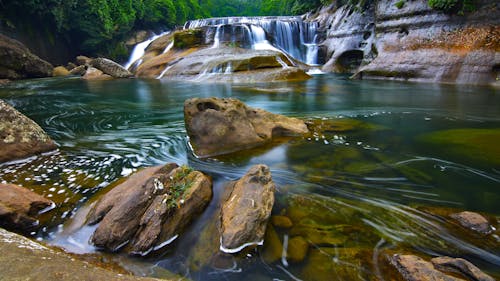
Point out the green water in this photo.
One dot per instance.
(386, 164)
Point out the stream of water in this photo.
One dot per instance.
(387, 159)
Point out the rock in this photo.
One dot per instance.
(163, 200)
(218, 126)
(281, 221)
(297, 249)
(245, 213)
(413, 268)
(17, 62)
(70, 66)
(473, 221)
(83, 60)
(20, 137)
(273, 247)
(79, 70)
(60, 71)
(189, 38)
(23, 259)
(111, 68)
(93, 73)
(19, 207)
(461, 266)
(4, 82)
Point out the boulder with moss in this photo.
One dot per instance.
(150, 209)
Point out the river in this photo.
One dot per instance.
(387, 159)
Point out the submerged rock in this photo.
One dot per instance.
(473, 221)
(461, 266)
(245, 212)
(217, 126)
(20, 136)
(60, 71)
(17, 61)
(149, 209)
(19, 207)
(111, 68)
(23, 259)
(413, 268)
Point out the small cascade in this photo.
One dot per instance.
(289, 34)
(139, 50)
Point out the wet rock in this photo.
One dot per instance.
(93, 73)
(20, 207)
(4, 82)
(79, 70)
(273, 247)
(163, 200)
(297, 249)
(245, 213)
(60, 71)
(17, 61)
(218, 126)
(21, 259)
(473, 221)
(111, 68)
(20, 137)
(413, 268)
(281, 221)
(461, 266)
(188, 38)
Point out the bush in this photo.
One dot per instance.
(400, 4)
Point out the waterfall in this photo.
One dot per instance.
(289, 34)
(140, 48)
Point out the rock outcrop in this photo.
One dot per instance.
(218, 126)
(387, 40)
(150, 209)
(23, 259)
(188, 55)
(19, 208)
(20, 136)
(246, 210)
(111, 68)
(17, 62)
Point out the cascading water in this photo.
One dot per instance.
(289, 34)
(140, 48)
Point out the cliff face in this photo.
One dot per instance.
(413, 42)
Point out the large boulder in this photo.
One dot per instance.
(111, 68)
(217, 126)
(19, 207)
(17, 62)
(23, 259)
(149, 209)
(20, 137)
(246, 210)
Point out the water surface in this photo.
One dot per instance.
(364, 185)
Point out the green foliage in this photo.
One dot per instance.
(452, 6)
(400, 4)
(179, 184)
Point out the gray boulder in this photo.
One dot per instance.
(246, 210)
(111, 68)
(20, 136)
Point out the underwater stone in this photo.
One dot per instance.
(413, 268)
(473, 221)
(458, 265)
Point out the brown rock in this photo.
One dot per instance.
(19, 207)
(245, 213)
(4, 82)
(281, 221)
(218, 126)
(17, 62)
(83, 60)
(273, 247)
(461, 266)
(163, 200)
(70, 66)
(473, 221)
(413, 268)
(60, 71)
(95, 74)
(79, 70)
(20, 137)
(111, 68)
(297, 249)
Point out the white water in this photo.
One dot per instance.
(140, 48)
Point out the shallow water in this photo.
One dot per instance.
(361, 186)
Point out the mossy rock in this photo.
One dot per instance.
(273, 247)
(479, 146)
(189, 38)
